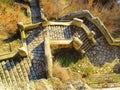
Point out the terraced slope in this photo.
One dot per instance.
(35, 11)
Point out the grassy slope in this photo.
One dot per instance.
(10, 15)
(56, 9)
(94, 76)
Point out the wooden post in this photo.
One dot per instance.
(48, 54)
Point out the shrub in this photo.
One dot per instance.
(60, 72)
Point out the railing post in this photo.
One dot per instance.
(77, 43)
(23, 49)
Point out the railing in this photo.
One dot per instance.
(75, 22)
(8, 55)
(96, 21)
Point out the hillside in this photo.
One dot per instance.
(59, 53)
(10, 14)
(108, 12)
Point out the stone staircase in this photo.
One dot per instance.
(35, 11)
(16, 73)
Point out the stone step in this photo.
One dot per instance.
(15, 72)
(20, 72)
(9, 67)
(83, 36)
(6, 73)
(25, 74)
(1, 84)
(87, 48)
(2, 75)
(85, 44)
(34, 3)
(85, 40)
(35, 12)
(92, 27)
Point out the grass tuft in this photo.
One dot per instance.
(60, 72)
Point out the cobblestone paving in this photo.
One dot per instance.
(59, 32)
(34, 67)
(92, 27)
(35, 11)
(103, 52)
(36, 53)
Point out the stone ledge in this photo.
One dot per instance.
(8, 55)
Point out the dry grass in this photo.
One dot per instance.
(56, 9)
(85, 71)
(60, 72)
(10, 15)
(64, 73)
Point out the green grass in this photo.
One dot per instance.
(66, 61)
(97, 77)
(83, 67)
(102, 80)
(66, 56)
